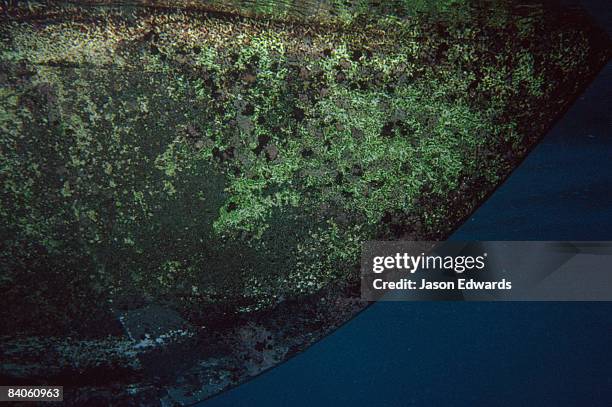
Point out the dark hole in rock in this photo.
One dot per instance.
(375, 184)
(347, 193)
(387, 130)
(249, 109)
(262, 142)
(223, 155)
(387, 217)
(339, 178)
(229, 153)
(298, 114)
(307, 153)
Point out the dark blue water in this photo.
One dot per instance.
(482, 354)
(563, 190)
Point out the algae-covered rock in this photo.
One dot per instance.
(221, 162)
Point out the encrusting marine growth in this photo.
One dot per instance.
(224, 165)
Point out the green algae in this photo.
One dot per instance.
(220, 165)
(156, 148)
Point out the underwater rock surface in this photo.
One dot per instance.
(184, 190)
